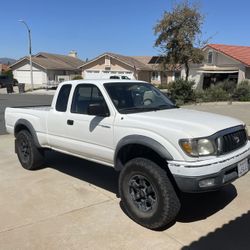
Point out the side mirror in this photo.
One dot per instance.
(98, 109)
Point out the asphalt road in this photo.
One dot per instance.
(14, 100)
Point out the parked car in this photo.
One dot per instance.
(7, 80)
(119, 77)
(158, 149)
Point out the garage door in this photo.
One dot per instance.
(105, 74)
(92, 74)
(23, 76)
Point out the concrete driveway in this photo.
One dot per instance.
(73, 204)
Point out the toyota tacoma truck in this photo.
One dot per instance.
(159, 149)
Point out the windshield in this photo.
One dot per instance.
(132, 97)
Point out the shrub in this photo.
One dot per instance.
(213, 94)
(77, 77)
(228, 86)
(181, 91)
(244, 82)
(199, 95)
(8, 73)
(242, 92)
(216, 93)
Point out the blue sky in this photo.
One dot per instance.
(97, 26)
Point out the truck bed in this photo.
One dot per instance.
(35, 115)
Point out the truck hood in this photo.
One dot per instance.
(190, 123)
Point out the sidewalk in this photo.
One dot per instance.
(238, 110)
(41, 91)
(73, 204)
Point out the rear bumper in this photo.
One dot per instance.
(191, 176)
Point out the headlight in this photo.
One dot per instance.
(205, 147)
(198, 147)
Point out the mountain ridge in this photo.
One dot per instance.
(7, 61)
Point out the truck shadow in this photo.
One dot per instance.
(233, 235)
(99, 175)
(194, 207)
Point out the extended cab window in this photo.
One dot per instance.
(86, 94)
(62, 98)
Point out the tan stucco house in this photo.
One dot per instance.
(47, 68)
(221, 62)
(146, 68)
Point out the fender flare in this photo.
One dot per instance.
(28, 125)
(144, 141)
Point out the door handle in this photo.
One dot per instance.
(104, 126)
(70, 122)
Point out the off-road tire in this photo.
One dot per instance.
(30, 157)
(163, 203)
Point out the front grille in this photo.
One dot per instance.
(233, 141)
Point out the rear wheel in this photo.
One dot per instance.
(147, 194)
(29, 155)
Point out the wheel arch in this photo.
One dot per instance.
(23, 124)
(139, 145)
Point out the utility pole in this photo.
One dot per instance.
(30, 53)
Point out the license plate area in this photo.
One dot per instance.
(242, 167)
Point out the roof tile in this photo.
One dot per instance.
(54, 61)
(240, 53)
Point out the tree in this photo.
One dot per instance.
(178, 36)
(8, 73)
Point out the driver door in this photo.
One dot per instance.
(90, 136)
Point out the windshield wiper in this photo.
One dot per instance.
(147, 108)
(142, 109)
(137, 109)
(166, 106)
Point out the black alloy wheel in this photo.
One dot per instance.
(142, 193)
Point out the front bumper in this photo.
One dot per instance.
(190, 176)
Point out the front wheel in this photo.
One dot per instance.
(29, 155)
(147, 194)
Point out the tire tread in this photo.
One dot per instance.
(37, 158)
(170, 202)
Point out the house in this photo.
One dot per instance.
(221, 62)
(146, 68)
(47, 67)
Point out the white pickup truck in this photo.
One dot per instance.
(158, 148)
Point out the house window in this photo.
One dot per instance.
(155, 76)
(210, 57)
(177, 75)
(107, 61)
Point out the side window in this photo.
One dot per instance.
(210, 57)
(84, 95)
(62, 98)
